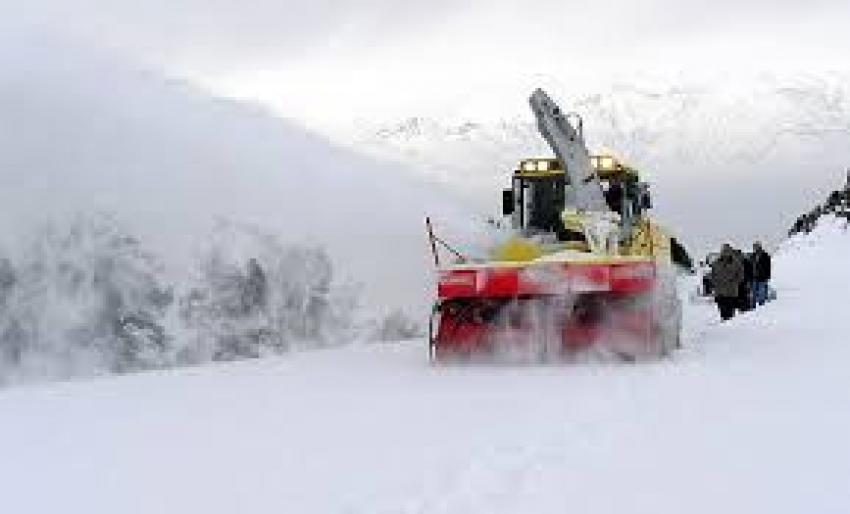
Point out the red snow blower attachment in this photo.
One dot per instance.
(545, 311)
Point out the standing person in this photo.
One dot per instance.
(727, 273)
(745, 288)
(761, 264)
(614, 196)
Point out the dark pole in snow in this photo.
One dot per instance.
(433, 242)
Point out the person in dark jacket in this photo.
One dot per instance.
(727, 273)
(614, 196)
(745, 289)
(761, 264)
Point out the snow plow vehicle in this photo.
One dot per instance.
(584, 269)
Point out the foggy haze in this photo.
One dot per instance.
(334, 65)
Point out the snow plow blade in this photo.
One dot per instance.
(555, 310)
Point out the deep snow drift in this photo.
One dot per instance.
(751, 416)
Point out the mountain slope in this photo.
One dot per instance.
(751, 415)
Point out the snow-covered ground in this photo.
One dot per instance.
(751, 416)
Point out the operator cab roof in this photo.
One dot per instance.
(606, 167)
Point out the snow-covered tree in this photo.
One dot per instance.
(85, 298)
(253, 295)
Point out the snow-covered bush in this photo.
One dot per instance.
(397, 326)
(253, 295)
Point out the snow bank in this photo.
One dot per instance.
(813, 255)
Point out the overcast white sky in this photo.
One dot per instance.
(325, 61)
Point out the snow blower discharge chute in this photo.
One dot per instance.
(584, 271)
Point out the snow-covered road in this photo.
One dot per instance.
(751, 416)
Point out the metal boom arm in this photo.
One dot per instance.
(568, 145)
